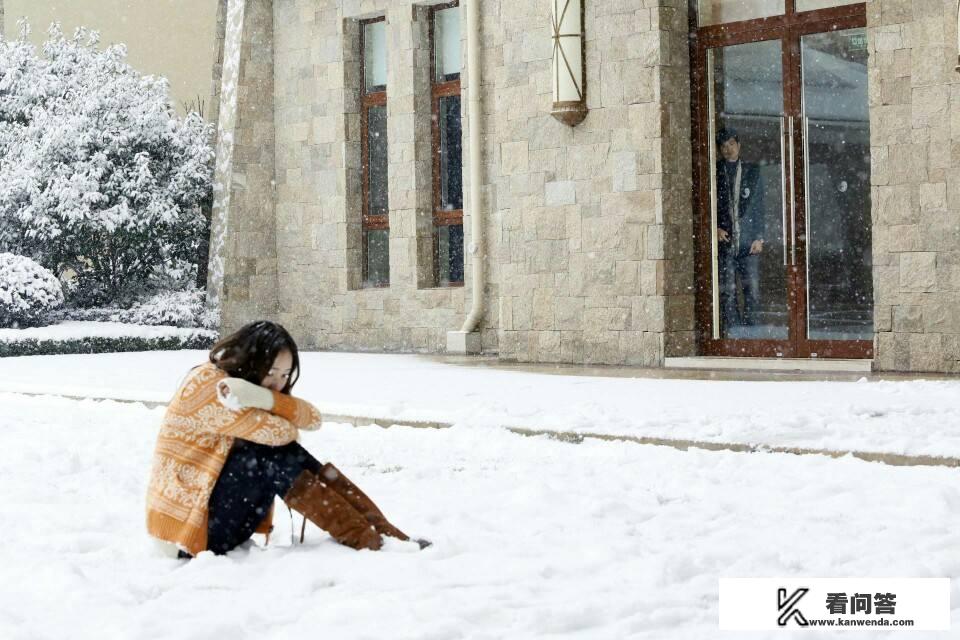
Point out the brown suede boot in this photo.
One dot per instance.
(359, 500)
(322, 505)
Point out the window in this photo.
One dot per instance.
(447, 145)
(373, 153)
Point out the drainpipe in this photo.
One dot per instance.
(467, 340)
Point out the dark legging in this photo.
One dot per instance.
(252, 475)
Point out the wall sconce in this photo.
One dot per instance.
(569, 77)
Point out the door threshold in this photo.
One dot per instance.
(772, 364)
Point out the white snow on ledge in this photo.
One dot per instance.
(79, 330)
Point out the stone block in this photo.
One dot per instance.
(599, 270)
(950, 348)
(895, 11)
(894, 205)
(891, 351)
(882, 318)
(602, 234)
(647, 120)
(513, 158)
(887, 38)
(925, 352)
(623, 169)
(929, 66)
(606, 319)
(656, 244)
(652, 277)
(560, 193)
(939, 231)
(628, 277)
(550, 224)
(890, 124)
(638, 86)
(633, 206)
(930, 106)
(918, 271)
(601, 347)
(648, 313)
(886, 283)
(895, 91)
(569, 313)
(549, 346)
(543, 311)
(571, 346)
(907, 319)
(897, 238)
(938, 316)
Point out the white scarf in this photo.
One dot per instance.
(734, 204)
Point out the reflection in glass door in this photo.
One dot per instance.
(747, 191)
(836, 131)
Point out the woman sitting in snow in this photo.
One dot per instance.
(228, 445)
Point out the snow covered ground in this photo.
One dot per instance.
(533, 538)
(909, 417)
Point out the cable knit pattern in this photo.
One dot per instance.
(195, 438)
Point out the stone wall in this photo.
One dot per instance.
(595, 246)
(318, 183)
(219, 37)
(243, 247)
(588, 229)
(915, 149)
(677, 188)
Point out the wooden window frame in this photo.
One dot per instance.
(369, 221)
(438, 90)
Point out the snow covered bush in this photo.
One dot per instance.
(177, 308)
(97, 173)
(27, 291)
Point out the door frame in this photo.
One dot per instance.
(788, 28)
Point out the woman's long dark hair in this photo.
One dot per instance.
(249, 353)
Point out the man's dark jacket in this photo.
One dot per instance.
(752, 224)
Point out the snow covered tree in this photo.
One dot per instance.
(98, 175)
(27, 291)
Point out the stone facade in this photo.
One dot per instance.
(590, 256)
(915, 152)
(593, 250)
(318, 199)
(243, 246)
(588, 229)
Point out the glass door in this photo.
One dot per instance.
(836, 242)
(783, 186)
(748, 192)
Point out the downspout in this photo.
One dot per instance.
(467, 340)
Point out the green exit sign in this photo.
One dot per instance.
(858, 42)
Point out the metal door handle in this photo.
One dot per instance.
(783, 184)
(793, 200)
(806, 179)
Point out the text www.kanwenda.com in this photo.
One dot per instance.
(858, 622)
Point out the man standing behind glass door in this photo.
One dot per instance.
(740, 228)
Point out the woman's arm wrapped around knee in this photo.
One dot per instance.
(238, 393)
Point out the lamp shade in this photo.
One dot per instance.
(569, 78)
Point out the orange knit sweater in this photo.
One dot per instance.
(195, 437)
